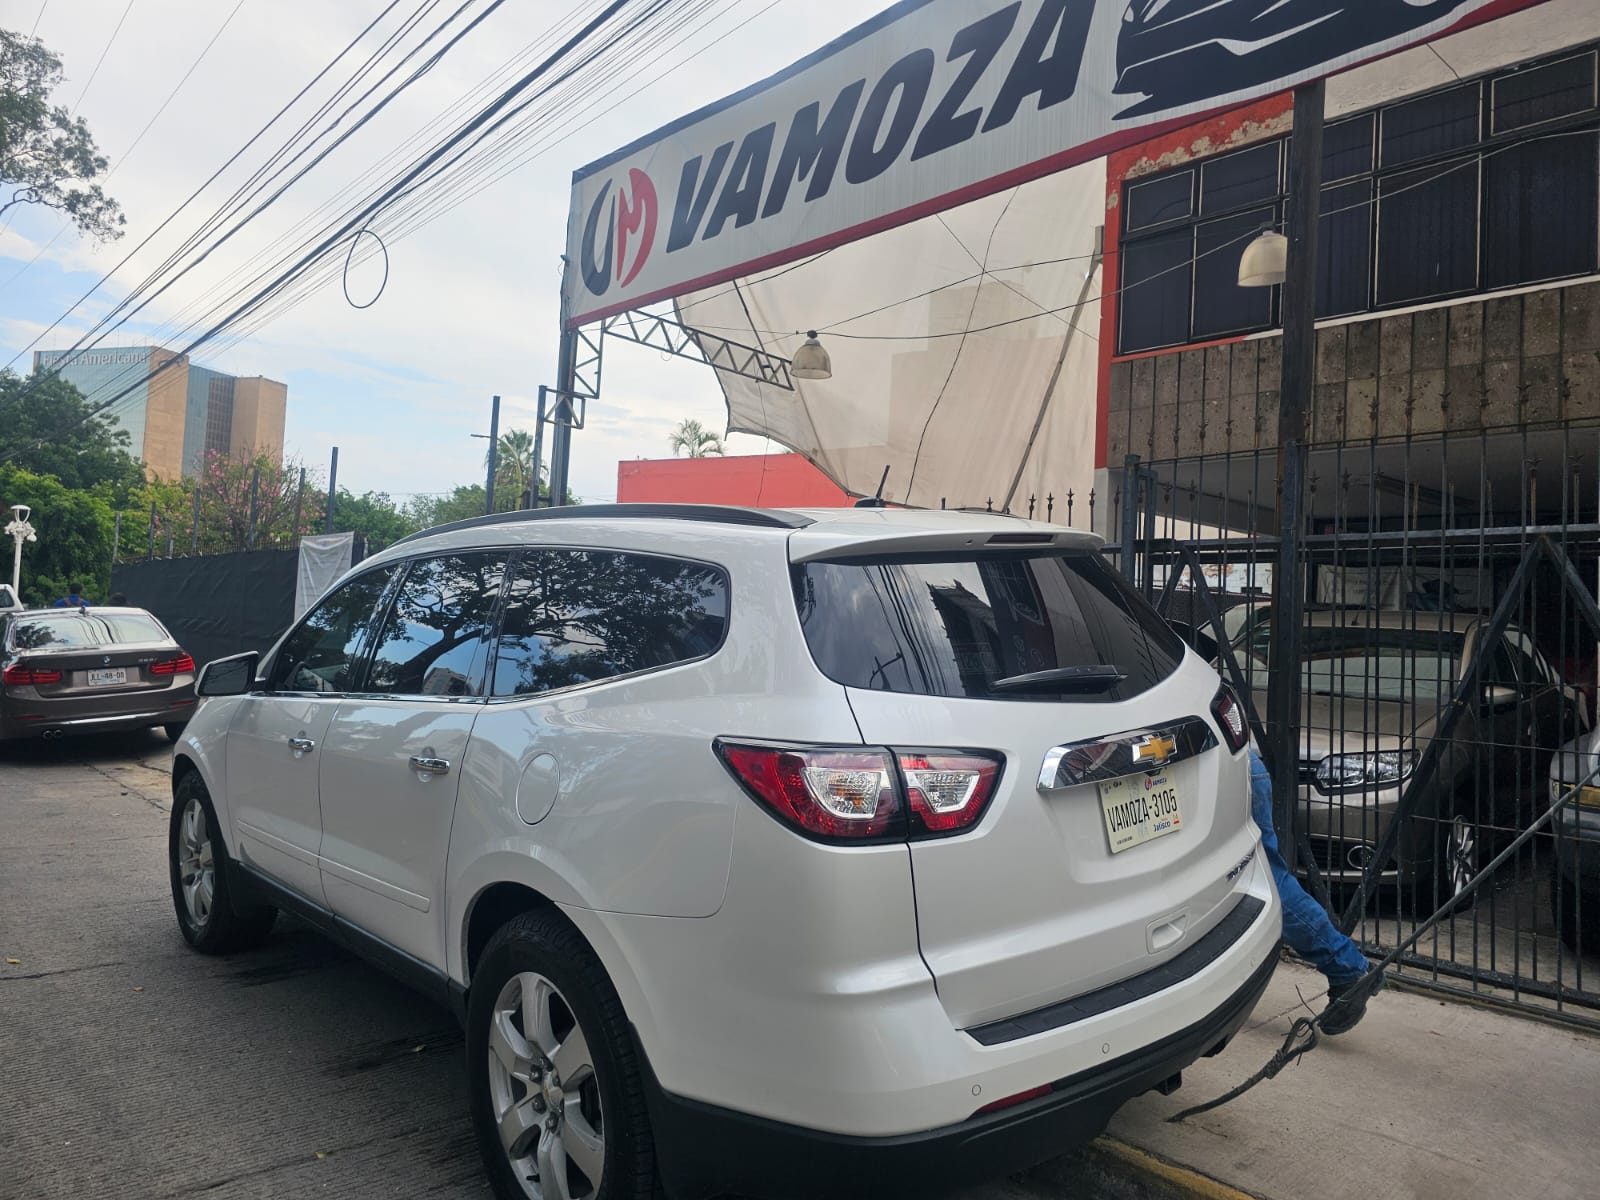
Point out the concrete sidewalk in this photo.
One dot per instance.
(1424, 1100)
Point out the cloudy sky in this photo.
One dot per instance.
(470, 307)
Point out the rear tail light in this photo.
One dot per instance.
(1033, 1093)
(182, 665)
(833, 794)
(1225, 707)
(947, 792)
(18, 675)
(856, 794)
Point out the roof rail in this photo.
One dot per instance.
(713, 514)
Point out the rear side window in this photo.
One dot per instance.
(319, 656)
(954, 626)
(576, 616)
(133, 627)
(434, 640)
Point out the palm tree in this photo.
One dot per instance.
(513, 466)
(694, 439)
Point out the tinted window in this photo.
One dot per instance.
(1428, 232)
(319, 654)
(1165, 198)
(1346, 149)
(1233, 180)
(86, 629)
(952, 627)
(575, 616)
(133, 627)
(1155, 287)
(1344, 249)
(1540, 211)
(1222, 306)
(1429, 125)
(1539, 94)
(434, 640)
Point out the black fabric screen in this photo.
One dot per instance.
(218, 604)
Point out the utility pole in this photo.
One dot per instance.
(494, 455)
(299, 501)
(1298, 299)
(194, 522)
(333, 484)
(538, 450)
(255, 491)
(566, 374)
(150, 548)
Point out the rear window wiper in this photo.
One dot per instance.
(1063, 679)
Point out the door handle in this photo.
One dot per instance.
(428, 765)
(302, 745)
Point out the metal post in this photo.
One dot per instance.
(116, 541)
(1130, 515)
(538, 450)
(299, 501)
(333, 483)
(494, 455)
(255, 491)
(1294, 396)
(150, 546)
(561, 438)
(194, 524)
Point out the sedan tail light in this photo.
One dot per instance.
(1225, 707)
(182, 665)
(865, 794)
(18, 675)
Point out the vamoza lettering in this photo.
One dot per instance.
(865, 129)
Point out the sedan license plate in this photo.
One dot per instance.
(1138, 808)
(109, 677)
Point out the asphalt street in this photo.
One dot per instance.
(132, 1067)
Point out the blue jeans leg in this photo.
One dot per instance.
(1306, 926)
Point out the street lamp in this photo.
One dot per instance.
(21, 531)
(1265, 261)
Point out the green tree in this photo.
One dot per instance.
(513, 469)
(373, 516)
(48, 156)
(45, 427)
(694, 439)
(74, 529)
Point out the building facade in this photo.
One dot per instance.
(176, 411)
(1458, 289)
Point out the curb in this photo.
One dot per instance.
(1178, 1179)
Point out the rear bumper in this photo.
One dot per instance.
(20, 718)
(704, 1150)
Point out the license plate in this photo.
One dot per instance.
(109, 677)
(1138, 808)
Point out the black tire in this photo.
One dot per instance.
(174, 732)
(1576, 914)
(222, 925)
(543, 944)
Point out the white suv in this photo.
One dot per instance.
(851, 851)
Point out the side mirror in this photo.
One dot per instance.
(231, 676)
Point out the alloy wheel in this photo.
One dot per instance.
(544, 1092)
(196, 867)
(1461, 853)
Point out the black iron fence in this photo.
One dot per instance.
(1447, 664)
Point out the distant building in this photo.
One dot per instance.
(182, 410)
(764, 480)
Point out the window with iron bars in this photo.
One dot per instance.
(1480, 185)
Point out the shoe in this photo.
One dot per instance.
(1347, 1003)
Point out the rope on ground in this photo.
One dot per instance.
(1301, 1038)
(1303, 1033)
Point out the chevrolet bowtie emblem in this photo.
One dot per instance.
(1154, 750)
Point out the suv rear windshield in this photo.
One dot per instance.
(74, 630)
(953, 626)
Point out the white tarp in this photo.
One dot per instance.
(323, 559)
(980, 388)
(933, 103)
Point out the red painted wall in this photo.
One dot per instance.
(765, 480)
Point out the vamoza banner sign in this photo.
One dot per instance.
(936, 102)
